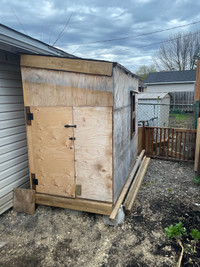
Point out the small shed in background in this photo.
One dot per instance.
(153, 108)
(81, 128)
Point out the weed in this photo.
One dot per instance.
(175, 231)
(195, 234)
(196, 179)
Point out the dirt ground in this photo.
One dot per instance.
(58, 237)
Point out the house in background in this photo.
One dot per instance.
(180, 85)
(14, 171)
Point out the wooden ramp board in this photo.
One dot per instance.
(126, 186)
(24, 200)
(133, 192)
(74, 204)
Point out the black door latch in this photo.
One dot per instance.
(68, 126)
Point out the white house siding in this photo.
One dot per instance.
(13, 146)
(166, 88)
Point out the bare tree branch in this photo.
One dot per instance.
(180, 53)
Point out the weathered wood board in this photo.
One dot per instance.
(59, 88)
(197, 146)
(93, 152)
(24, 200)
(51, 153)
(67, 64)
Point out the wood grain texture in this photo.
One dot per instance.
(51, 153)
(197, 85)
(74, 204)
(197, 146)
(24, 200)
(93, 152)
(59, 88)
(66, 64)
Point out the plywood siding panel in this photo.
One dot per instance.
(51, 152)
(66, 64)
(125, 148)
(59, 88)
(93, 152)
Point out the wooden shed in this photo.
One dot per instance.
(81, 130)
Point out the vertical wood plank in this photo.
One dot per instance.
(164, 142)
(156, 141)
(160, 141)
(184, 146)
(168, 135)
(176, 144)
(172, 144)
(180, 145)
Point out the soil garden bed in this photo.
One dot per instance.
(59, 237)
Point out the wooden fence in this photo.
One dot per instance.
(168, 143)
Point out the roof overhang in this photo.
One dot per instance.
(16, 42)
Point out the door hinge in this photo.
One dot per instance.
(34, 181)
(78, 190)
(29, 116)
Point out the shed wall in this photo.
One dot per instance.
(124, 148)
(13, 146)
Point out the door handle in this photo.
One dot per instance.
(68, 126)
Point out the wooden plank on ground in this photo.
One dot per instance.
(140, 178)
(24, 200)
(67, 64)
(197, 146)
(126, 186)
(133, 185)
(74, 204)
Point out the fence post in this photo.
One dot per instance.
(196, 113)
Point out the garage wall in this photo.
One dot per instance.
(13, 146)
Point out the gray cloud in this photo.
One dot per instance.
(101, 20)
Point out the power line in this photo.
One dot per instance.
(60, 34)
(18, 21)
(138, 35)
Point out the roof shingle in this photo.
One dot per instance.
(171, 76)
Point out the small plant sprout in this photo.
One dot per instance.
(195, 234)
(196, 179)
(177, 231)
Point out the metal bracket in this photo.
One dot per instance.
(68, 126)
(29, 115)
(34, 181)
(78, 190)
(72, 138)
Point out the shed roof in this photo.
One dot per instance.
(152, 95)
(171, 77)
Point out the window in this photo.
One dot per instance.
(133, 121)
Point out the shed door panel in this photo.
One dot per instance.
(51, 152)
(93, 152)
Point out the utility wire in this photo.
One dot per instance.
(59, 36)
(19, 21)
(138, 35)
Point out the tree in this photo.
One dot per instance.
(144, 70)
(179, 53)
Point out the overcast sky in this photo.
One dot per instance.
(96, 20)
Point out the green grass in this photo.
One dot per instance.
(179, 117)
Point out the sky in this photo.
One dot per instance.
(79, 26)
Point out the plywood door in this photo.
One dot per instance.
(51, 152)
(93, 152)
